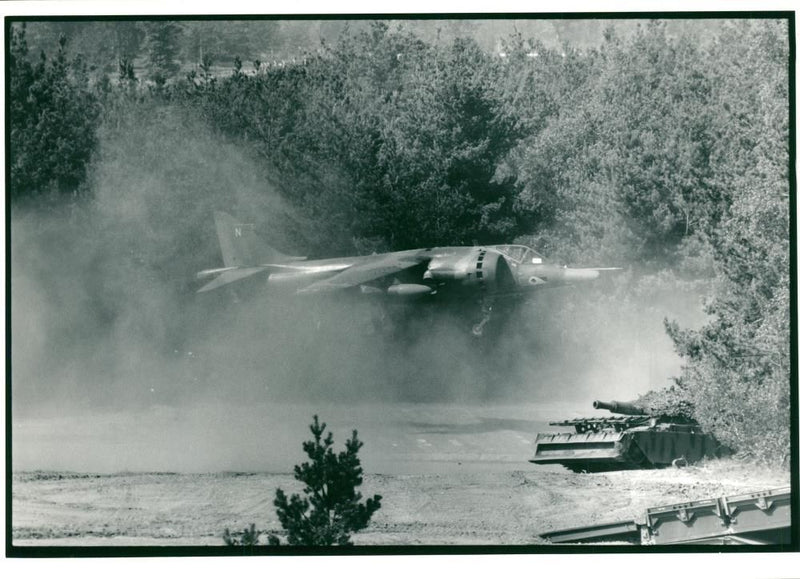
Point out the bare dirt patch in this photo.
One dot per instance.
(490, 506)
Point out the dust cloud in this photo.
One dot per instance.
(114, 354)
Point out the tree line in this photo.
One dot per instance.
(670, 153)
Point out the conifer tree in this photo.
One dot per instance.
(53, 120)
(332, 508)
(161, 49)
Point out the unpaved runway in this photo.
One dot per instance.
(398, 438)
(448, 474)
(470, 508)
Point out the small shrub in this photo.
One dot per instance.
(332, 508)
(246, 538)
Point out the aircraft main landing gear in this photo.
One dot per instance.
(486, 311)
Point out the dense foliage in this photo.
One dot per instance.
(665, 151)
(737, 370)
(331, 509)
(52, 120)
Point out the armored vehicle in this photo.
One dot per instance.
(636, 439)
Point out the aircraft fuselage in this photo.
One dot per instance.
(479, 273)
(449, 270)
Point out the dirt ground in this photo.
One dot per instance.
(493, 505)
(449, 474)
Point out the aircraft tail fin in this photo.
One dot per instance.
(240, 245)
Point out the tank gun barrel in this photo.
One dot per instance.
(620, 408)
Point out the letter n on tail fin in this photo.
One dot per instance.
(240, 245)
(243, 253)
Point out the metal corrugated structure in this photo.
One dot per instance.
(759, 518)
(753, 518)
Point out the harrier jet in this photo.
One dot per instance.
(483, 275)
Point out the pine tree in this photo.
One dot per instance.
(737, 365)
(53, 120)
(161, 46)
(332, 508)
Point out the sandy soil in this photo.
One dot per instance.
(449, 474)
(494, 505)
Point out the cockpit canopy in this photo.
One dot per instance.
(519, 253)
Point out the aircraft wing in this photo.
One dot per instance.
(364, 272)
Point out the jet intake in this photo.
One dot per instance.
(409, 290)
(483, 268)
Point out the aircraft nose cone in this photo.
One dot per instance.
(580, 274)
